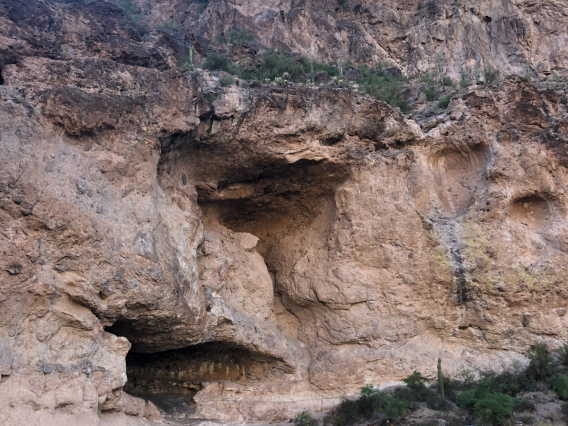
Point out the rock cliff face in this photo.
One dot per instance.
(416, 35)
(241, 254)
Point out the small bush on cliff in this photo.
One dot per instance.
(447, 82)
(308, 65)
(274, 65)
(563, 355)
(387, 88)
(444, 101)
(305, 419)
(541, 366)
(236, 36)
(495, 409)
(430, 93)
(560, 386)
(490, 73)
(216, 61)
(227, 80)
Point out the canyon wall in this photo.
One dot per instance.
(418, 36)
(243, 254)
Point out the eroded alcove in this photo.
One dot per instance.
(443, 183)
(532, 211)
(170, 379)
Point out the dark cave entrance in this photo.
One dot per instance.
(170, 379)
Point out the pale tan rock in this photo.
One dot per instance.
(260, 252)
(249, 242)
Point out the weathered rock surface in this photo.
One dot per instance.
(244, 254)
(415, 35)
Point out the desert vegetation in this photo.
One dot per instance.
(488, 398)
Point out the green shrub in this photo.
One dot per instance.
(215, 61)
(490, 73)
(560, 386)
(563, 351)
(541, 366)
(495, 409)
(448, 82)
(305, 419)
(466, 399)
(415, 381)
(227, 80)
(384, 87)
(370, 403)
(332, 70)
(431, 93)
(278, 65)
(464, 82)
(444, 101)
(236, 36)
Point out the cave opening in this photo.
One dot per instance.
(1, 78)
(170, 379)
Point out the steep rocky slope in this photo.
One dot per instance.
(240, 254)
(415, 35)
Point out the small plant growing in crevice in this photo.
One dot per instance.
(464, 82)
(305, 419)
(227, 80)
(490, 74)
(444, 101)
(560, 386)
(563, 350)
(216, 61)
(447, 82)
(541, 366)
(430, 93)
(236, 36)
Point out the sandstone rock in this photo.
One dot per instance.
(246, 254)
(249, 242)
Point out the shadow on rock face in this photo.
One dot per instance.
(532, 211)
(171, 379)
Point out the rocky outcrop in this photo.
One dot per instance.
(418, 36)
(174, 247)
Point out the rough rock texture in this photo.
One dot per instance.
(415, 35)
(245, 254)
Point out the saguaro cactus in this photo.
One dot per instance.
(441, 378)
